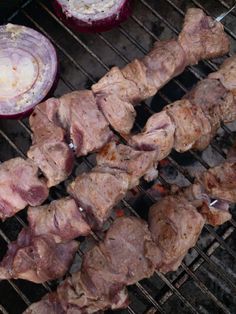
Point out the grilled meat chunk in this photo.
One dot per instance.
(20, 186)
(175, 226)
(49, 304)
(162, 65)
(88, 129)
(50, 151)
(37, 258)
(61, 219)
(158, 135)
(121, 120)
(202, 37)
(190, 123)
(217, 214)
(98, 191)
(130, 237)
(54, 158)
(136, 163)
(227, 74)
(220, 182)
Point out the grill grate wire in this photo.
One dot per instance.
(171, 286)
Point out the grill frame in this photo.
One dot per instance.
(171, 287)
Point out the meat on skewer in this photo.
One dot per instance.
(37, 258)
(20, 186)
(82, 118)
(185, 124)
(175, 223)
(131, 252)
(61, 219)
(188, 123)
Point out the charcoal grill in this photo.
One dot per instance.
(206, 280)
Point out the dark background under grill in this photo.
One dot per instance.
(206, 280)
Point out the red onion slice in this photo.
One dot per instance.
(92, 15)
(28, 69)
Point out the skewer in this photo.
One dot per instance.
(223, 15)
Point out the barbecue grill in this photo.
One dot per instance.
(206, 280)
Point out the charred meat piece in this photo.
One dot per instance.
(20, 186)
(61, 219)
(50, 152)
(175, 226)
(220, 182)
(158, 135)
(98, 191)
(37, 258)
(87, 128)
(136, 163)
(202, 37)
(130, 249)
(190, 122)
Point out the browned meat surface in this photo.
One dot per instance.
(61, 219)
(217, 214)
(20, 186)
(136, 73)
(75, 296)
(136, 163)
(37, 258)
(175, 226)
(166, 60)
(55, 159)
(114, 83)
(220, 182)
(202, 37)
(130, 237)
(122, 120)
(190, 122)
(98, 191)
(158, 135)
(211, 96)
(50, 152)
(86, 125)
(227, 74)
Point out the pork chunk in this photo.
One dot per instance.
(61, 219)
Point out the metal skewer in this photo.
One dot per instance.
(223, 15)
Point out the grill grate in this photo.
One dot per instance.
(215, 253)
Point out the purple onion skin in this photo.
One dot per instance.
(98, 26)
